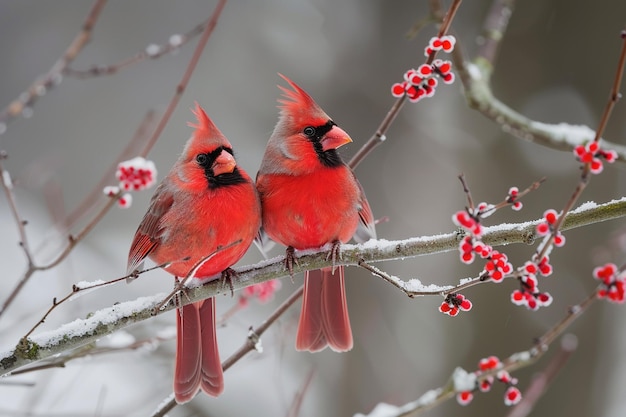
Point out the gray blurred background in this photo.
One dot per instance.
(556, 65)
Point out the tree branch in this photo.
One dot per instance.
(73, 240)
(108, 320)
(476, 76)
(515, 361)
(380, 135)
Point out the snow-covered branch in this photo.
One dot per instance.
(108, 320)
(476, 76)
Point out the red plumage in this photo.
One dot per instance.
(205, 202)
(310, 198)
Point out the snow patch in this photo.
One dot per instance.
(573, 135)
(463, 380)
(106, 316)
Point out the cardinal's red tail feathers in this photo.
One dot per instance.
(198, 363)
(324, 319)
(188, 353)
(212, 381)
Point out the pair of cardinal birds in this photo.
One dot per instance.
(305, 197)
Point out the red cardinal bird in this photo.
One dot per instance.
(310, 198)
(203, 204)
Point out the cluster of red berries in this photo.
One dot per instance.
(512, 199)
(469, 221)
(262, 292)
(546, 227)
(512, 395)
(136, 174)
(497, 265)
(613, 282)
(421, 82)
(592, 154)
(529, 295)
(124, 201)
(445, 43)
(454, 303)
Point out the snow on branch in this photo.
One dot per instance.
(560, 136)
(108, 320)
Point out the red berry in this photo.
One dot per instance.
(445, 67)
(464, 398)
(425, 70)
(397, 90)
(596, 166)
(550, 216)
(543, 229)
(512, 396)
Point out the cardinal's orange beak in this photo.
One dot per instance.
(335, 138)
(224, 163)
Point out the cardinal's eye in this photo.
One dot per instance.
(201, 158)
(309, 131)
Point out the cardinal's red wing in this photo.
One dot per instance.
(149, 232)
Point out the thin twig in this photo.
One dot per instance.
(73, 240)
(475, 77)
(614, 94)
(182, 85)
(152, 52)
(414, 288)
(296, 405)
(180, 285)
(380, 135)
(95, 195)
(584, 177)
(468, 194)
(78, 289)
(55, 74)
(495, 26)
(7, 187)
(542, 381)
(515, 361)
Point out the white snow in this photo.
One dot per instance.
(464, 281)
(417, 286)
(524, 356)
(388, 410)
(589, 205)
(85, 287)
(117, 340)
(168, 332)
(573, 135)
(106, 316)
(473, 71)
(463, 380)
(6, 178)
(382, 410)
